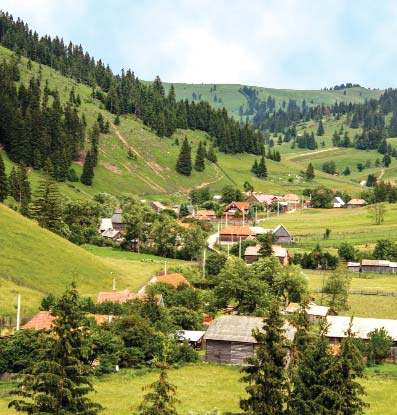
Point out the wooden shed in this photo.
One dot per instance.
(229, 338)
(281, 235)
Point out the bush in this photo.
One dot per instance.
(378, 346)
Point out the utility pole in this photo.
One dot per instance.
(228, 250)
(18, 311)
(239, 248)
(114, 284)
(278, 208)
(165, 267)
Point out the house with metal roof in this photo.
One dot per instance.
(229, 339)
(252, 254)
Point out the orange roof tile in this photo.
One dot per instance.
(174, 279)
(117, 296)
(41, 321)
(237, 230)
(238, 205)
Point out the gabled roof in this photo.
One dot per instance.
(359, 202)
(239, 329)
(190, 335)
(259, 230)
(278, 251)
(175, 279)
(312, 309)
(238, 205)
(361, 327)
(117, 296)
(263, 198)
(157, 205)
(375, 263)
(338, 199)
(236, 230)
(291, 197)
(117, 216)
(281, 230)
(44, 320)
(111, 233)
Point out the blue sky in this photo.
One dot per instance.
(301, 44)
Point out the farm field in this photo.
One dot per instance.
(35, 262)
(351, 225)
(377, 306)
(198, 389)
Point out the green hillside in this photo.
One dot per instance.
(151, 174)
(35, 262)
(231, 98)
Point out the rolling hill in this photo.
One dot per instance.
(151, 174)
(35, 262)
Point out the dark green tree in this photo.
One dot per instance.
(184, 162)
(265, 372)
(309, 173)
(59, 382)
(47, 206)
(160, 400)
(88, 170)
(320, 129)
(211, 156)
(266, 242)
(378, 346)
(199, 164)
(3, 181)
(262, 169)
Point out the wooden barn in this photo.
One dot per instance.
(229, 338)
(117, 221)
(233, 233)
(282, 236)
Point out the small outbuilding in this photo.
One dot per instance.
(354, 266)
(356, 203)
(314, 311)
(282, 236)
(252, 254)
(338, 202)
(194, 337)
(229, 339)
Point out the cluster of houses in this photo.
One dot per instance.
(373, 265)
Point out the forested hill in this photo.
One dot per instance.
(237, 97)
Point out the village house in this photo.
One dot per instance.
(113, 235)
(174, 279)
(117, 221)
(361, 327)
(338, 202)
(356, 203)
(314, 311)
(229, 338)
(281, 235)
(236, 212)
(204, 215)
(293, 201)
(44, 320)
(252, 254)
(263, 199)
(119, 297)
(105, 225)
(233, 234)
(373, 265)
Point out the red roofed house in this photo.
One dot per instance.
(119, 297)
(175, 279)
(237, 208)
(233, 233)
(204, 215)
(43, 320)
(263, 199)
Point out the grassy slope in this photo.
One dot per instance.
(36, 262)
(152, 174)
(232, 99)
(198, 389)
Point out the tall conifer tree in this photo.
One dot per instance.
(88, 170)
(265, 372)
(3, 180)
(184, 162)
(199, 164)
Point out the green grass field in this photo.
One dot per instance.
(35, 262)
(205, 387)
(352, 225)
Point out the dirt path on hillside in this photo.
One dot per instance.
(218, 178)
(296, 156)
(381, 174)
(151, 164)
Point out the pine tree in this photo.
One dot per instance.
(349, 368)
(88, 170)
(184, 163)
(94, 138)
(211, 156)
(59, 382)
(254, 168)
(117, 120)
(265, 372)
(262, 169)
(199, 164)
(309, 174)
(3, 181)
(47, 207)
(161, 398)
(312, 391)
(320, 129)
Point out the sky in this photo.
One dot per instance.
(300, 44)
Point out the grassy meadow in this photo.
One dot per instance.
(35, 262)
(205, 387)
